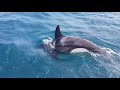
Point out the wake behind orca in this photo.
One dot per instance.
(69, 44)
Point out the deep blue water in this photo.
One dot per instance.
(21, 32)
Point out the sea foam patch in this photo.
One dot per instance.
(48, 42)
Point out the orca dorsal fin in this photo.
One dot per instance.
(58, 33)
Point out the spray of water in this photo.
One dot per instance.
(109, 62)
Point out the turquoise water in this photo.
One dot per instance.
(22, 32)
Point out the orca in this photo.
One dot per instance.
(70, 44)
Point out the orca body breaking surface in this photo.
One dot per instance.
(69, 44)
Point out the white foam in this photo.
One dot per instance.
(48, 42)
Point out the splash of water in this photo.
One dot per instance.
(109, 62)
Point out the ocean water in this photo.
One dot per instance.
(22, 32)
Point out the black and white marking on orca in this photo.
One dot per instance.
(69, 44)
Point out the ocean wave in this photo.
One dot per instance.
(21, 32)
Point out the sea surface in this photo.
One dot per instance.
(22, 32)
